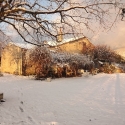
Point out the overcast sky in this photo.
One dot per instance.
(115, 37)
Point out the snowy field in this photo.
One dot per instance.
(93, 100)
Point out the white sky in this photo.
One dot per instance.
(114, 37)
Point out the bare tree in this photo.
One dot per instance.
(35, 19)
(39, 59)
(104, 52)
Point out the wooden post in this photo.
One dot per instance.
(1, 96)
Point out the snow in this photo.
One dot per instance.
(65, 57)
(23, 45)
(92, 100)
(55, 43)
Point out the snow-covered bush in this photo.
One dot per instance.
(70, 62)
(47, 63)
(64, 58)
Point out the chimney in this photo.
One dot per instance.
(60, 35)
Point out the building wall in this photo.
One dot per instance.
(76, 46)
(11, 59)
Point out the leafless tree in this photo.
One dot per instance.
(4, 39)
(38, 59)
(104, 52)
(35, 19)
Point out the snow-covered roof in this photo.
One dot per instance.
(22, 45)
(55, 43)
(50, 43)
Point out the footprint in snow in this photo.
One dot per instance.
(21, 109)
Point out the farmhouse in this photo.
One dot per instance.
(72, 45)
(13, 56)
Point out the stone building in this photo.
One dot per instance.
(13, 56)
(74, 45)
(13, 59)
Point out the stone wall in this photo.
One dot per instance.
(11, 59)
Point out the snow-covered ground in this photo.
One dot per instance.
(93, 100)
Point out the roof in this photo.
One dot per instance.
(55, 43)
(22, 45)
